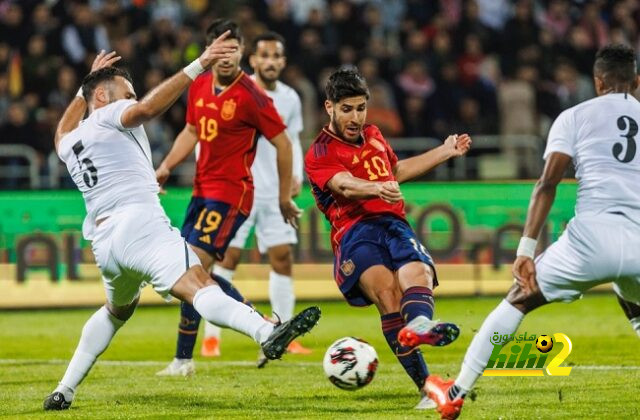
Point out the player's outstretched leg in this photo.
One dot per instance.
(504, 320)
(417, 310)
(409, 357)
(96, 336)
(217, 307)
(182, 364)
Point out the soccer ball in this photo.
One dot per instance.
(350, 363)
(544, 343)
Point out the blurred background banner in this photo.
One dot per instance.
(470, 228)
(500, 70)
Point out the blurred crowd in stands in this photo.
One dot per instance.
(433, 66)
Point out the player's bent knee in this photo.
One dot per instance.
(281, 259)
(194, 279)
(123, 313)
(525, 300)
(415, 274)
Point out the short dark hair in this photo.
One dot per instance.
(268, 36)
(105, 74)
(615, 65)
(220, 26)
(346, 83)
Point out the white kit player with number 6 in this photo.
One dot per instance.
(601, 242)
(274, 236)
(108, 158)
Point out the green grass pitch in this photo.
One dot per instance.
(34, 347)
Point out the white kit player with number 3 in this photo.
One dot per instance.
(600, 243)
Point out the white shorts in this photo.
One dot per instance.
(137, 245)
(271, 229)
(594, 249)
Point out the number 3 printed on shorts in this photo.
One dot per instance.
(212, 221)
(631, 127)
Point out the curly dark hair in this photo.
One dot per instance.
(616, 65)
(346, 83)
(93, 79)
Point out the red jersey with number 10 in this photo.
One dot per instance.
(228, 124)
(371, 159)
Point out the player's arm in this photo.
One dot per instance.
(296, 176)
(289, 210)
(416, 166)
(347, 185)
(540, 204)
(183, 146)
(78, 106)
(166, 93)
(70, 119)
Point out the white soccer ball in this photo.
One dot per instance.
(350, 363)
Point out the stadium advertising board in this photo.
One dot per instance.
(470, 229)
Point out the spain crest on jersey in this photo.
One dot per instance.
(228, 109)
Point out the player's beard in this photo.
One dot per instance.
(266, 79)
(341, 133)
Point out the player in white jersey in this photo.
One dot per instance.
(600, 243)
(275, 237)
(108, 157)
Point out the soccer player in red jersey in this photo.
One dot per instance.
(226, 113)
(354, 177)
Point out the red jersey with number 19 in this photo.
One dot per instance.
(228, 124)
(371, 159)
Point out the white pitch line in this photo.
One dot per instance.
(250, 363)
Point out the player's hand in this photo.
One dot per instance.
(290, 212)
(389, 191)
(524, 273)
(296, 187)
(457, 145)
(104, 59)
(219, 49)
(162, 174)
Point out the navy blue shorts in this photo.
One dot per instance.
(385, 240)
(211, 224)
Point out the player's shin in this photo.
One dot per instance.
(217, 307)
(416, 301)
(503, 321)
(96, 336)
(187, 331)
(409, 357)
(281, 295)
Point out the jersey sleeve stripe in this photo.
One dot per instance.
(320, 148)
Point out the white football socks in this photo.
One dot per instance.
(96, 336)
(504, 319)
(281, 295)
(211, 330)
(215, 306)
